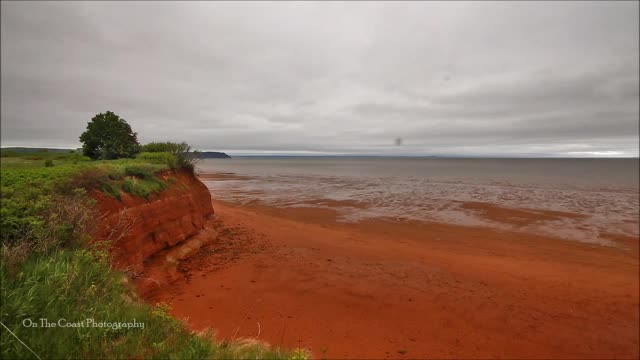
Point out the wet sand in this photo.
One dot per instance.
(295, 277)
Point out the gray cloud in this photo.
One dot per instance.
(458, 78)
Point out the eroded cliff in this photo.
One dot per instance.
(139, 228)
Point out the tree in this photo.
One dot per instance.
(109, 137)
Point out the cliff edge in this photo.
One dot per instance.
(140, 228)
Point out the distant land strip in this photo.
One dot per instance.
(28, 150)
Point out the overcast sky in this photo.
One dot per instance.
(455, 78)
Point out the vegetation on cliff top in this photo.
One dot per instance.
(51, 273)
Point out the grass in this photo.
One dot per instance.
(78, 286)
(159, 158)
(29, 188)
(111, 190)
(142, 187)
(43, 155)
(49, 272)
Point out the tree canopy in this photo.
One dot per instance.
(109, 137)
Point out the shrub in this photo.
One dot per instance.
(169, 147)
(68, 221)
(90, 178)
(164, 158)
(48, 163)
(185, 157)
(76, 158)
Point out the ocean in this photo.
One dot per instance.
(604, 193)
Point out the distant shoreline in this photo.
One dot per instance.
(220, 154)
(29, 150)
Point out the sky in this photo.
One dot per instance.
(304, 78)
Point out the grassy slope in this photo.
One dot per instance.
(72, 282)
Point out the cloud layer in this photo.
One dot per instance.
(457, 78)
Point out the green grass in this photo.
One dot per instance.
(55, 276)
(112, 190)
(77, 285)
(159, 158)
(29, 188)
(43, 155)
(142, 187)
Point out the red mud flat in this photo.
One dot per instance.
(379, 289)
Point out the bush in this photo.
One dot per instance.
(48, 163)
(76, 158)
(68, 221)
(185, 157)
(164, 158)
(90, 178)
(169, 147)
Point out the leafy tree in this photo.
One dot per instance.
(109, 137)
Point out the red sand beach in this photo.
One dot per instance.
(386, 289)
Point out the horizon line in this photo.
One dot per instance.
(377, 155)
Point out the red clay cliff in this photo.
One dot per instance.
(139, 228)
